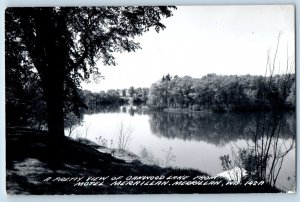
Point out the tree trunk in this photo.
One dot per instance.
(48, 51)
(55, 52)
(54, 99)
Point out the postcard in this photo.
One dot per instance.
(150, 100)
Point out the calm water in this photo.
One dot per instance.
(196, 140)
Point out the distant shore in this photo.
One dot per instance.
(178, 110)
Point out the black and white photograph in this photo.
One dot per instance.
(150, 100)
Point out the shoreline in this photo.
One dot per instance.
(32, 161)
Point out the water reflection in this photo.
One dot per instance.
(215, 128)
(263, 158)
(130, 109)
(212, 134)
(269, 137)
(103, 109)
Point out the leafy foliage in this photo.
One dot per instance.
(224, 93)
(61, 45)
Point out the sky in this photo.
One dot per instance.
(198, 40)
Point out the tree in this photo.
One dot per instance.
(131, 91)
(124, 93)
(64, 44)
(224, 93)
(23, 94)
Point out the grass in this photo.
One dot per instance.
(124, 136)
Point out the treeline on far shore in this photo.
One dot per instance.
(116, 96)
(224, 93)
(27, 106)
(209, 93)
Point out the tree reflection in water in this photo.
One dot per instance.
(214, 128)
(270, 136)
(268, 148)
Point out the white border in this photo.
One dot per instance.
(127, 198)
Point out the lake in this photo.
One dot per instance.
(188, 140)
